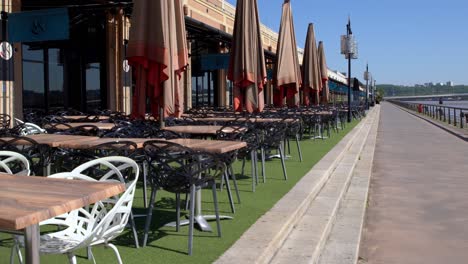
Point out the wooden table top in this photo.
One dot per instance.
(197, 130)
(78, 117)
(26, 201)
(243, 119)
(84, 144)
(54, 140)
(103, 126)
(211, 146)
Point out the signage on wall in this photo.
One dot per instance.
(6, 50)
(126, 67)
(39, 25)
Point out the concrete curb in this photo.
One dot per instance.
(261, 241)
(345, 237)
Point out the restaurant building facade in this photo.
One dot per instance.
(81, 64)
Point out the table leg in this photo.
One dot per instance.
(31, 239)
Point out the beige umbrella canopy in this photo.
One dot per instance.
(325, 95)
(247, 65)
(288, 72)
(312, 80)
(157, 50)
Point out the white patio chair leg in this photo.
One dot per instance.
(263, 165)
(178, 212)
(191, 219)
(281, 150)
(145, 194)
(71, 258)
(215, 201)
(234, 180)
(299, 147)
(228, 189)
(253, 172)
(16, 250)
(116, 251)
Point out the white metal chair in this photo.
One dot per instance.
(29, 128)
(100, 223)
(14, 163)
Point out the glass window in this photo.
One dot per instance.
(33, 78)
(93, 86)
(56, 81)
(33, 85)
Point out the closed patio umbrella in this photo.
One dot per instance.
(288, 72)
(312, 79)
(325, 94)
(247, 65)
(158, 52)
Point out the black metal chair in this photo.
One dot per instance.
(83, 130)
(231, 133)
(273, 139)
(5, 121)
(178, 170)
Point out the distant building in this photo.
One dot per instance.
(449, 83)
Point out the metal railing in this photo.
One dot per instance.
(456, 116)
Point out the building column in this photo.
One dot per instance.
(127, 76)
(114, 41)
(188, 81)
(223, 93)
(11, 83)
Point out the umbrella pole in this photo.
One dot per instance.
(161, 118)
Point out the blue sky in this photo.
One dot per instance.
(405, 41)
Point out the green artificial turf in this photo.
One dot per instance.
(167, 246)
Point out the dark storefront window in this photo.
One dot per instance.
(93, 86)
(203, 89)
(43, 78)
(33, 78)
(68, 74)
(56, 79)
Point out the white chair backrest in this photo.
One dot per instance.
(29, 128)
(108, 218)
(18, 121)
(14, 163)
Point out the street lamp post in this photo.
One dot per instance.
(367, 77)
(349, 49)
(375, 91)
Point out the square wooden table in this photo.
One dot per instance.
(198, 130)
(211, 146)
(53, 140)
(102, 126)
(91, 143)
(26, 201)
(83, 117)
(214, 147)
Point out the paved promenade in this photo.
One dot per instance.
(418, 203)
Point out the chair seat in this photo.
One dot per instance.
(54, 244)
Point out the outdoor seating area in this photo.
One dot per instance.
(169, 157)
(210, 148)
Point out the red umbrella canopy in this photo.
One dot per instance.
(288, 72)
(158, 52)
(311, 82)
(324, 73)
(247, 65)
